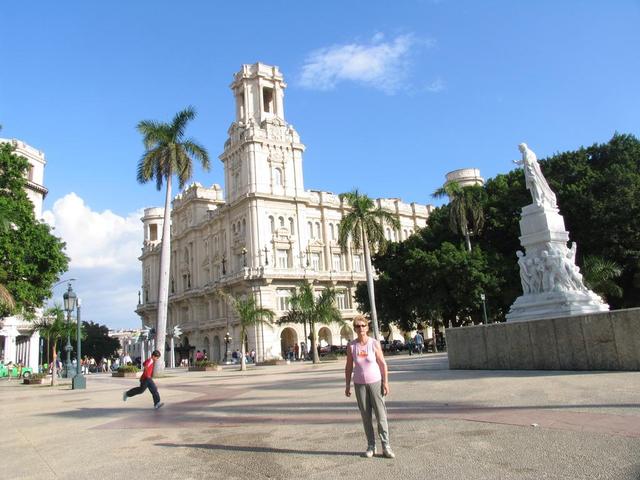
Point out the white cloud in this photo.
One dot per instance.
(379, 64)
(96, 239)
(104, 249)
(436, 86)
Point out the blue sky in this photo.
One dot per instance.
(387, 96)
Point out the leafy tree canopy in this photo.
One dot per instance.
(97, 343)
(31, 257)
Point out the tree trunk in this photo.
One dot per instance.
(314, 347)
(54, 366)
(243, 358)
(163, 282)
(306, 340)
(370, 288)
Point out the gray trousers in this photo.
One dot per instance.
(370, 399)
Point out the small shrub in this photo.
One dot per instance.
(128, 369)
(206, 363)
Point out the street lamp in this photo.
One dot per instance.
(78, 382)
(266, 255)
(69, 297)
(227, 341)
(484, 308)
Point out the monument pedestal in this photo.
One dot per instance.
(551, 282)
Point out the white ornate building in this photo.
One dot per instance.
(263, 237)
(17, 343)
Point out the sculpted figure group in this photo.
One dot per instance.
(552, 271)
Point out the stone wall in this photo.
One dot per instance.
(602, 341)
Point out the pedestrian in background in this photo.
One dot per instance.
(370, 381)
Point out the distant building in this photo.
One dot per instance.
(262, 237)
(17, 344)
(130, 343)
(465, 177)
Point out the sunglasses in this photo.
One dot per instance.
(361, 326)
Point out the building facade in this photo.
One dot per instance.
(17, 343)
(262, 236)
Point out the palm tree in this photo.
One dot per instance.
(465, 208)
(600, 275)
(167, 153)
(305, 307)
(250, 314)
(364, 224)
(53, 326)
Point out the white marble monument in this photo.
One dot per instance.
(552, 285)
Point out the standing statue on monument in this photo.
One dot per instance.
(534, 179)
(525, 274)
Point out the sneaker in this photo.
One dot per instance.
(371, 451)
(388, 453)
(124, 396)
(158, 405)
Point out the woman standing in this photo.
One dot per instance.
(370, 381)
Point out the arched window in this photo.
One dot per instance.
(244, 227)
(272, 223)
(277, 177)
(310, 229)
(291, 229)
(318, 230)
(281, 221)
(331, 229)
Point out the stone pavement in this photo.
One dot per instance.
(288, 422)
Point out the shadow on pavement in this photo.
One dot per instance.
(236, 448)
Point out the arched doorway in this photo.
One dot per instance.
(216, 354)
(206, 350)
(288, 338)
(346, 335)
(324, 337)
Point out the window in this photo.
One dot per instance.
(153, 232)
(310, 229)
(332, 230)
(291, 229)
(315, 261)
(30, 173)
(277, 177)
(341, 300)
(281, 221)
(318, 230)
(282, 258)
(284, 299)
(267, 99)
(272, 223)
(357, 263)
(336, 261)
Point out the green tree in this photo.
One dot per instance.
(54, 328)
(31, 258)
(97, 343)
(167, 153)
(364, 226)
(250, 314)
(600, 275)
(306, 307)
(466, 215)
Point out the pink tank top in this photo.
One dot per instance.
(366, 369)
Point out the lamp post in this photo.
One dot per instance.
(484, 308)
(78, 382)
(224, 264)
(266, 256)
(69, 297)
(227, 341)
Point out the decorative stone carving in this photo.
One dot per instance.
(552, 284)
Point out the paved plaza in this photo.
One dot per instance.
(293, 421)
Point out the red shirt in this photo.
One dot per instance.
(147, 371)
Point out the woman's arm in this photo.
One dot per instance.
(348, 370)
(383, 368)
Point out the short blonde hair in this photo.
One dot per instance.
(360, 318)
